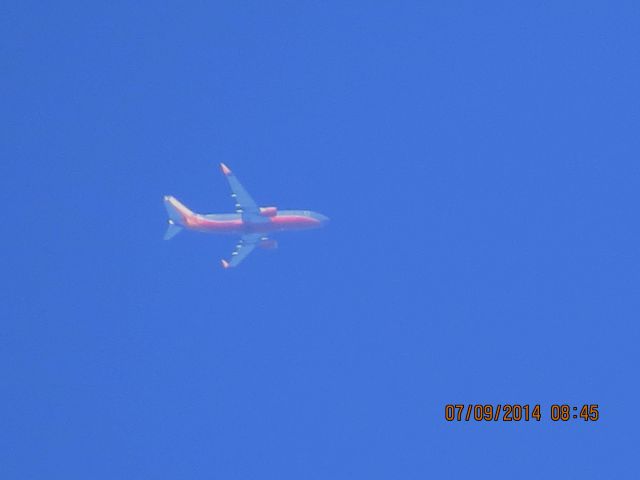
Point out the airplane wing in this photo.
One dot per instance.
(244, 247)
(244, 203)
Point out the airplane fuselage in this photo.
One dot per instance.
(233, 223)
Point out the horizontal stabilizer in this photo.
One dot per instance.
(172, 231)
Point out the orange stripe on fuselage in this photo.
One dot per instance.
(196, 222)
(294, 221)
(280, 222)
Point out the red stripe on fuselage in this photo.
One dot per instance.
(277, 223)
(202, 224)
(294, 221)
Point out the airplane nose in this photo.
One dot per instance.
(318, 217)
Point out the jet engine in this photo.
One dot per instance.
(268, 243)
(268, 211)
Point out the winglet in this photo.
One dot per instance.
(226, 170)
(225, 264)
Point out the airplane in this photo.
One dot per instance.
(254, 224)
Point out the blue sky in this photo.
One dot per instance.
(479, 162)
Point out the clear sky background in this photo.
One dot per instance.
(479, 162)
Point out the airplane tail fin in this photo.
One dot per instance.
(178, 215)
